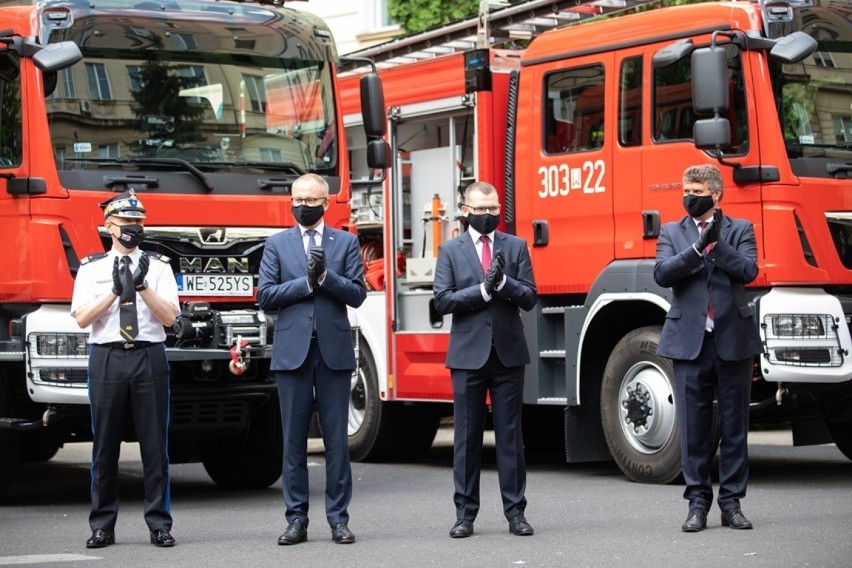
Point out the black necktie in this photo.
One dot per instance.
(127, 304)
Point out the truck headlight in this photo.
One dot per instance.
(61, 344)
(800, 325)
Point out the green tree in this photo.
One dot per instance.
(418, 15)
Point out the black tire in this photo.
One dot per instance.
(638, 410)
(422, 424)
(9, 443)
(251, 461)
(39, 446)
(376, 428)
(841, 433)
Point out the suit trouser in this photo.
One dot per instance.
(506, 386)
(122, 384)
(695, 384)
(296, 390)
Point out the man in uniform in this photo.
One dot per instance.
(127, 296)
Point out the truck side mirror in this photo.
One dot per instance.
(373, 105)
(793, 48)
(709, 87)
(378, 155)
(56, 56)
(712, 133)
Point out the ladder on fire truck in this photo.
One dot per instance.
(497, 24)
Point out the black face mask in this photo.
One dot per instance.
(697, 205)
(131, 235)
(308, 216)
(484, 223)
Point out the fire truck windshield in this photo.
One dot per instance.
(814, 98)
(212, 110)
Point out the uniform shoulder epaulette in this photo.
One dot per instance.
(158, 256)
(92, 258)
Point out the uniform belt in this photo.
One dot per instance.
(128, 345)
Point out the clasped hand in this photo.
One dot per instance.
(711, 234)
(494, 275)
(316, 265)
(140, 273)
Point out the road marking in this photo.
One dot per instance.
(44, 558)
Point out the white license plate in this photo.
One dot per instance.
(215, 284)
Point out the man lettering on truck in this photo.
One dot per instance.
(711, 336)
(127, 296)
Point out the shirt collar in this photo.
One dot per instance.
(319, 229)
(474, 234)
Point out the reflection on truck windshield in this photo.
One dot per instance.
(214, 111)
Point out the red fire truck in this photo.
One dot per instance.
(209, 110)
(586, 132)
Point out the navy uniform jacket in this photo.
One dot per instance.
(476, 323)
(282, 285)
(720, 276)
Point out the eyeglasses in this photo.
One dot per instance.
(309, 201)
(493, 209)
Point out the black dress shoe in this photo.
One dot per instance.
(462, 529)
(341, 534)
(100, 538)
(296, 532)
(735, 519)
(696, 521)
(518, 525)
(162, 538)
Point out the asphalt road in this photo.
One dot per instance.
(800, 500)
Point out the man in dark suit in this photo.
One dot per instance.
(482, 278)
(310, 273)
(711, 336)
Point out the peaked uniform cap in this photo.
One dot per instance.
(125, 205)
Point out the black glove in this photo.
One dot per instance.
(117, 282)
(711, 233)
(141, 271)
(316, 265)
(494, 275)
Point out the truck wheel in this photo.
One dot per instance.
(841, 433)
(38, 446)
(251, 461)
(421, 426)
(638, 410)
(375, 427)
(9, 443)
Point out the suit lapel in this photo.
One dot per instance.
(297, 247)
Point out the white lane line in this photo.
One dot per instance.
(44, 558)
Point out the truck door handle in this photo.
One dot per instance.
(110, 181)
(650, 224)
(541, 233)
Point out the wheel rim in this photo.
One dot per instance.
(358, 393)
(646, 408)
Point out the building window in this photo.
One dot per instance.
(256, 92)
(98, 82)
(108, 151)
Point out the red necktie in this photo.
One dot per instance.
(703, 225)
(486, 252)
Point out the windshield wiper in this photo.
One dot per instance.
(183, 164)
(277, 166)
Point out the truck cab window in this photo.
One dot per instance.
(574, 110)
(11, 152)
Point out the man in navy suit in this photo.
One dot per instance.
(310, 273)
(711, 336)
(483, 278)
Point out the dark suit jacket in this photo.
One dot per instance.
(720, 276)
(283, 286)
(476, 322)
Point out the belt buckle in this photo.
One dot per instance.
(129, 345)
